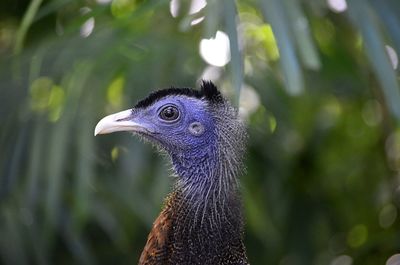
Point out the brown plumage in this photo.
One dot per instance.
(162, 245)
(201, 222)
(158, 242)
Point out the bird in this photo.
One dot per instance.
(201, 221)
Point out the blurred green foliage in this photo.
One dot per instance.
(322, 183)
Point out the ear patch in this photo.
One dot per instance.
(196, 128)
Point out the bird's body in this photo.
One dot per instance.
(201, 222)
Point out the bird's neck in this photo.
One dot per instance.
(206, 177)
(184, 235)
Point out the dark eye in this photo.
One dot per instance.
(169, 113)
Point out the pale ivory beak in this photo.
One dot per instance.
(117, 122)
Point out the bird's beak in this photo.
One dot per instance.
(121, 121)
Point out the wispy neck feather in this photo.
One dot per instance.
(208, 181)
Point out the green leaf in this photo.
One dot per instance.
(235, 64)
(302, 36)
(275, 14)
(363, 18)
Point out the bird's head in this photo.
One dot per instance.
(199, 129)
(180, 120)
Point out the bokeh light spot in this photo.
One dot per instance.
(196, 21)
(337, 6)
(47, 97)
(394, 260)
(88, 26)
(103, 2)
(342, 260)
(211, 73)
(174, 7)
(114, 153)
(115, 91)
(357, 236)
(372, 113)
(40, 93)
(56, 103)
(216, 51)
(196, 6)
(249, 101)
(394, 59)
(272, 123)
(122, 8)
(387, 216)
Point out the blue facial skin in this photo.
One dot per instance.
(175, 136)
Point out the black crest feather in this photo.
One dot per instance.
(207, 90)
(210, 91)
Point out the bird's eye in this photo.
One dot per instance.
(169, 113)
